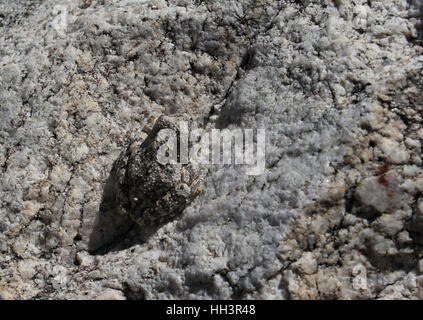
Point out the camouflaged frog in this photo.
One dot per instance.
(150, 192)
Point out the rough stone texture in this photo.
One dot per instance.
(338, 87)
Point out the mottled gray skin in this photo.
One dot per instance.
(149, 192)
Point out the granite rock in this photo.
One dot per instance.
(336, 84)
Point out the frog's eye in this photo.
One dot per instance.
(146, 129)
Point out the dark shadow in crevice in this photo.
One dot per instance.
(109, 227)
(400, 261)
(231, 113)
(416, 11)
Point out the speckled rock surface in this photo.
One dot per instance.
(338, 213)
